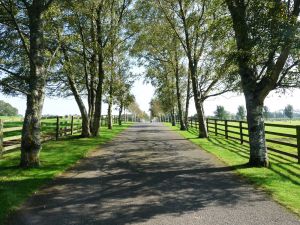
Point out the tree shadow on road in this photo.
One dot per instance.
(135, 184)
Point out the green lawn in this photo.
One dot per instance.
(16, 184)
(281, 180)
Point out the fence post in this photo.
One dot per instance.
(72, 124)
(216, 128)
(298, 142)
(66, 128)
(57, 128)
(226, 129)
(191, 122)
(207, 125)
(241, 132)
(1, 137)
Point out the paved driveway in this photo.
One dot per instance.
(151, 175)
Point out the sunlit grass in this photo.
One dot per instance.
(16, 184)
(281, 180)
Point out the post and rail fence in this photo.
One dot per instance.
(53, 128)
(283, 139)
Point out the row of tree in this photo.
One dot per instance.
(191, 49)
(200, 49)
(223, 114)
(66, 48)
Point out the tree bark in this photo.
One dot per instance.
(93, 72)
(198, 104)
(85, 124)
(182, 125)
(201, 120)
(31, 133)
(187, 103)
(99, 90)
(109, 114)
(85, 131)
(120, 114)
(110, 91)
(98, 100)
(173, 117)
(256, 129)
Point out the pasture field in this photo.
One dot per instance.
(48, 125)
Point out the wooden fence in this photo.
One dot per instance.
(283, 139)
(278, 136)
(52, 128)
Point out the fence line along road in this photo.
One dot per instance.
(53, 128)
(283, 139)
(288, 138)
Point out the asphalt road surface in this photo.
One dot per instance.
(151, 175)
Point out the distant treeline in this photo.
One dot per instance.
(287, 113)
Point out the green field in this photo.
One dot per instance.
(281, 180)
(11, 118)
(16, 184)
(48, 125)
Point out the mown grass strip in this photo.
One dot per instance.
(16, 184)
(281, 180)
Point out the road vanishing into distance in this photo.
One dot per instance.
(150, 175)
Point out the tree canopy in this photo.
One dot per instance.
(7, 109)
(190, 49)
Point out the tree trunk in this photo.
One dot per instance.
(182, 125)
(110, 97)
(173, 117)
(120, 114)
(98, 101)
(256, 129)
(198, 104)
(201, 120)
(99, 91)
(125, 116)
(85, 124)
(31, 133)
(93, 72)
(187, 103)
(109, 115)
(85, 131)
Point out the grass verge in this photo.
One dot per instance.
(281, 180)
(16, 184)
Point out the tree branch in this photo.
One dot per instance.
(17, 28)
